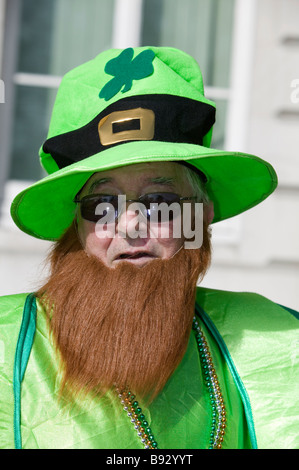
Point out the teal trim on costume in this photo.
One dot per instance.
(242, 390)
(24, 345)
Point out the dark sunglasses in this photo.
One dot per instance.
(149, 206)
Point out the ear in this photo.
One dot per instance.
(76, 218)
(209, 212)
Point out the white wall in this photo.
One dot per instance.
(259, 250)
(22, 258)
(2, 18)
(264, 255)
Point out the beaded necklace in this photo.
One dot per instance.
(218, 412)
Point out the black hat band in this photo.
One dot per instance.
(148, 117)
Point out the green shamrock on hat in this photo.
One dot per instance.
(125, 69)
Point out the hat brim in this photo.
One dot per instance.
(236, 182)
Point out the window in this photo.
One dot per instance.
(57, 35)
(202, 28)
(53, 36)
(44, 39)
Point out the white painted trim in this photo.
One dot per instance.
(2, 26)
(241, 75)
(53, 81)
(127, 23)
(215, 93)
(2, 92)
(37, 80)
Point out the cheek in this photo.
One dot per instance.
(93, 242)
(168, 237)
(169, 247)
(97, 246)
(169, 231)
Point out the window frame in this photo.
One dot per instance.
(237, 95)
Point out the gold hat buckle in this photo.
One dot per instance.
(131, 124)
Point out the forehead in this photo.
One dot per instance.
(142, 174)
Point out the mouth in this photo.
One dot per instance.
(138, 257)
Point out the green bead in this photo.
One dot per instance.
(206, 364)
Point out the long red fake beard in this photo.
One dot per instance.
(127, 326)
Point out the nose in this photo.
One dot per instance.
(131, 222)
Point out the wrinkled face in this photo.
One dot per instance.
(133, 181)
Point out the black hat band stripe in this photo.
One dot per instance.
(176, 119)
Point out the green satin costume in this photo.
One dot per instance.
(253, 342)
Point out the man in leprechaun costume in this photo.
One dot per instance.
(120, 348)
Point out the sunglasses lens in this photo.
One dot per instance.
(101, 208)
(158, 213)
(156, 207)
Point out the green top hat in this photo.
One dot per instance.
(130, 106)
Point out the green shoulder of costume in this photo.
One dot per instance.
(259, 339)
(214, 298)
(11, 313)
